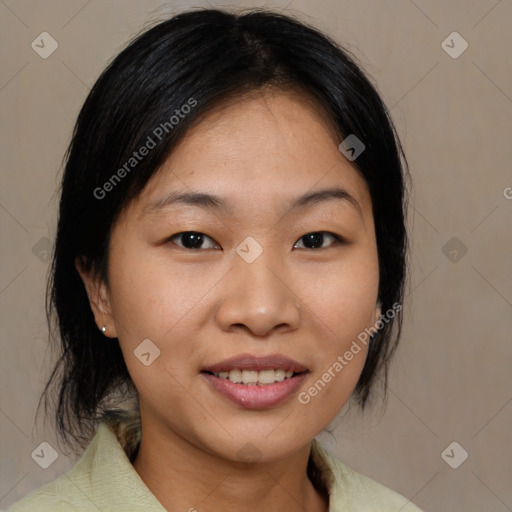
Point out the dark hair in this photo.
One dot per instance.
(200, 58)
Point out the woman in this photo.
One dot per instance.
(230, 258)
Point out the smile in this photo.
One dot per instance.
(254, 377)
(256, 382)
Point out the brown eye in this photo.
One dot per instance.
(191, 240)
(316, 239)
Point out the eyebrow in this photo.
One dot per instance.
(217, 204)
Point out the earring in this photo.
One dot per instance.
(103, 329)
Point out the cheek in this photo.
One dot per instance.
(342, 303)
(343, 297)
(149, 304)
(148, 295)
(152, 299)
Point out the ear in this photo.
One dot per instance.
(378, 311)
(99, 300)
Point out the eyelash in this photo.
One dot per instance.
(338, 240)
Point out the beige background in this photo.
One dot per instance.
(451, 380)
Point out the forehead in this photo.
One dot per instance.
(257, 149)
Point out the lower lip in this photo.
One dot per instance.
(255, 396)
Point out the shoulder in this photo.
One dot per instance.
(47, 498)
(103, 479)
(350, 490)
(71, 491)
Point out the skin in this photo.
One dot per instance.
(201, 306)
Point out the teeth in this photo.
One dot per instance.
(234, 376)
(280, 375)
(252, 377)
(267, 377)
(249, 377)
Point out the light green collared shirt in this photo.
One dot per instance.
(104, 480)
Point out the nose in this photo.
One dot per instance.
(258, 297)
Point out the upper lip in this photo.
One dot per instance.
(257, 363)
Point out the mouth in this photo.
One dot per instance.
(254, 377)
(256, 382)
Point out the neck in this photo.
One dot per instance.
(184, 477)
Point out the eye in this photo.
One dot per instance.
(192, 240)
(316, 239)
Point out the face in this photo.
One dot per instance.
(253, 285)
